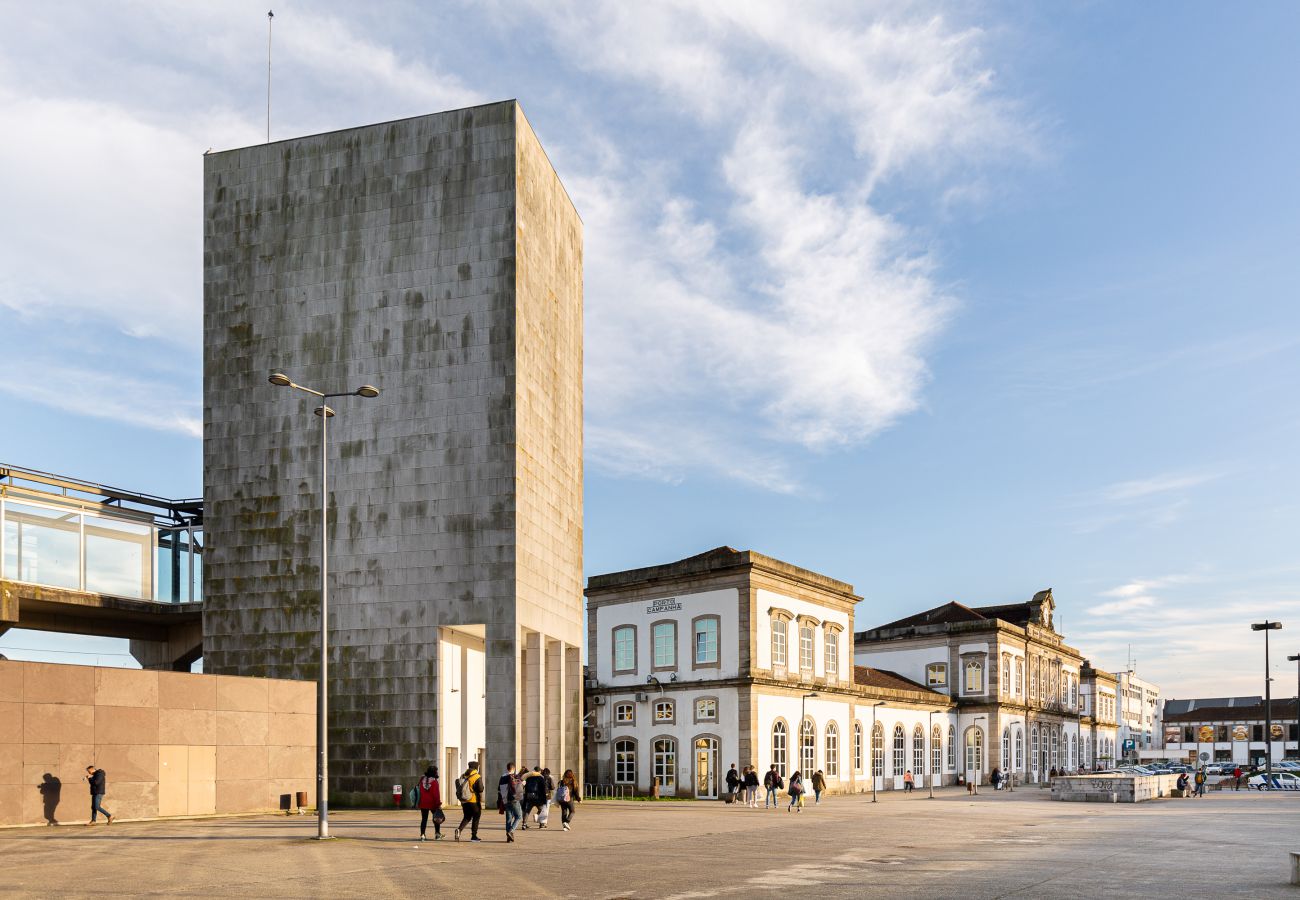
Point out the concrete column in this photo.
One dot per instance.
(534, 697)
(553, 751)
(183, 646)
(502, 707)
(573, 711)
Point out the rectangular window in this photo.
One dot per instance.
(778, 642)
(936, 674)
(665, 645)
(805, 647)
(624, 714)
(625, 762)
(706, 709)
(665, 762)
(832, 655)
(625, 649)
(664, 711)
(706, 642)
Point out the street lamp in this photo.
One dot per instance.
(1295, 659)
(979, 763)
(279, 379)
(873, 750)
(1266, 627)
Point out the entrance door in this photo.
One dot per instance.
(706, 768)
(450, 772)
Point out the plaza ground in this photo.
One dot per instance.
(994, 845)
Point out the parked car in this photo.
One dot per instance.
(1282, 781)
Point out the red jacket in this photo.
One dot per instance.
(430, 795)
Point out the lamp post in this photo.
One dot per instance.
(932, 773)
(979, 762)
(873, 750)
(279, 379)
(1295, 659)
(1266, 627)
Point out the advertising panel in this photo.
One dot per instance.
(1205, 734)
(1239, 732)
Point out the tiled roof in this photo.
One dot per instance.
(865, 676)
(1283, 711)
(940, 615)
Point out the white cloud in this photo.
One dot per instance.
(1165, 483)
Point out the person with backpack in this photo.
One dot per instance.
(429, 800)
(98, 787)
(509, 794)
(1200, 782)
(796, 792)
(469, 791)
(819, 785)
(733, 781)
(548, 789)
(751, 787)
(566, 794)
(534, 795)
(771, 783)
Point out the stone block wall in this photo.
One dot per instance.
(171, 743)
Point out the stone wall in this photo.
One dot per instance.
(170, 743)
(1112, 788)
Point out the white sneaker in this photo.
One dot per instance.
(566, 827)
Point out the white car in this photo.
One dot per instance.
(1282, 781)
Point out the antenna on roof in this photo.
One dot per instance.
(270, 17)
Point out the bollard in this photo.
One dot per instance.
(1295, 868)
(301, 799)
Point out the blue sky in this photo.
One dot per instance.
(953, 302)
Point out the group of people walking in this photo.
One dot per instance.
(743, 785)
(519, 793)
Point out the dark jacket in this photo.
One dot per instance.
(770, 779)
(751, 780)
(733, 778)
(535, 787)
(98, 782)
(508, 788)
(819, 783)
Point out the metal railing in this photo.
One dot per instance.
(592, 791)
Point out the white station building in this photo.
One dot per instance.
(735, 657)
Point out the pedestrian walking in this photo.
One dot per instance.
(1236, 778)
(509, 794)
(1200, 782)
(772, 783)
(430, 803)
(996, 778)
(751, 787)
(909, 782)
(548, 790)
(98, 787)
(733, 782)
(566, 794)
(796, 792)
(534, 794)
(819, 785)
(469, 791)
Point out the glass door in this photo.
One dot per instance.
(706, 769)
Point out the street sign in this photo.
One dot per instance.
(1205, 757)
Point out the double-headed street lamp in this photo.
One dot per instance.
(322, 692)
(873, 750)
(1266, 627)
(1295, 659)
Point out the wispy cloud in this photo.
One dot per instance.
(1154, 501)
(1125, 491)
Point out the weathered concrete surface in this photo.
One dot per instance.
(993, 845)
(1113, 788)
(439, 259)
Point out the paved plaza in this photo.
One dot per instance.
(994, 845)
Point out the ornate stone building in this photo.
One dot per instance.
(1015, 681)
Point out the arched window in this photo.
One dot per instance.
(936, 751)
(1074, 751)
(952, 748)
(1020, 749)
(832, 750)
(1020, 676)
(974, 676)
(1056, 749)
(780, 631)
(857, 746)
(900, 750)
(625, 762)
(878, 750)
(807, 747)
(1006, 749)
(778, 746)
(1033, 678)
(975, 749)
(1074, 692)
(665, 762)
(918, 751)
(1006, 673)
(1033, 747)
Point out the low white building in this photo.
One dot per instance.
(1230, 730)
(735, 657)
(1139, 715)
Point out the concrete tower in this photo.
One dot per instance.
(440, 259)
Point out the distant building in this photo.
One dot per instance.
(1009, 671)
(1099, 746)
(1139, 715)
(735, 657)
(1228, 729)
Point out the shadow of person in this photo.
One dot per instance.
(51, 791)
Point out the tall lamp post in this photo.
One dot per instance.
(322, 691)
(1295, 659)
(873, 750)
(1266, 627)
